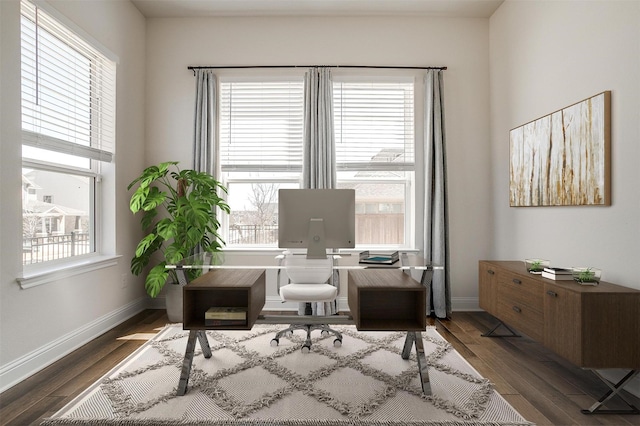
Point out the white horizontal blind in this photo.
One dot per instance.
(261, 125)
(374, 125)
(68, 90)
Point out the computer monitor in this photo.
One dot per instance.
(317, 219)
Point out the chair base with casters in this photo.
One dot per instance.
(308, 328)
(305, 293)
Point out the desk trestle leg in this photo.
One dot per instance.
(614, 390)
(415, 338)
(204, 343)
(188, 357)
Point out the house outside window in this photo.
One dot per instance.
(260, 133)
(68, 135)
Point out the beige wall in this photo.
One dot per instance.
(39, 324)
(460, 44)
(545, 56)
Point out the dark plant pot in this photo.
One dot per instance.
(173, 302)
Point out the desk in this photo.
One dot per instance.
(380, 299)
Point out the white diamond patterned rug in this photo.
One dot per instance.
(248, 382)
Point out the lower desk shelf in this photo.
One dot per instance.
(241, 288)
(386, 299)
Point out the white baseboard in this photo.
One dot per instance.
(17, 370)
(465, 304)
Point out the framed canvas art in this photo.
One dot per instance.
(563, 159)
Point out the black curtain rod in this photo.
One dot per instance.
(193, 68)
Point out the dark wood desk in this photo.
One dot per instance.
(379, 299)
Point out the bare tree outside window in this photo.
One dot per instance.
(264, 197)
(258, 222)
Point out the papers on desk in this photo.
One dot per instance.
(379, 259)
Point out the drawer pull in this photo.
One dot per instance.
(517, 281)
(518, 310)
(490, 272)
(552, 293)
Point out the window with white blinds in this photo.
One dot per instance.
(68, 90)
(261, 125)
(261, 145)
(68, 136)
(374, 125)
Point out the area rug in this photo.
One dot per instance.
(248, 382)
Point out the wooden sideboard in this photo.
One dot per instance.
(592, 327)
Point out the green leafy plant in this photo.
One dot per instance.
(179, 214)
(585, 276)
(535, 266)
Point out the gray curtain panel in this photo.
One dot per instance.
(318, 168)
(319, 165)
(204, 123)
(436, 234)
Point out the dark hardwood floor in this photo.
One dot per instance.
(544, 388)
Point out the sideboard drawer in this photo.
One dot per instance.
(522, 317)
(521, 291)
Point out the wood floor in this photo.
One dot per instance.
(545, 389)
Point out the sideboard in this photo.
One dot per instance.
(593, 327)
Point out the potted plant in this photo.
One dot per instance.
(535, 266)
(586, 276)
(179, 215)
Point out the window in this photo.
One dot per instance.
(260, 151)
(261, 125)
(68, 134)
(374, 134)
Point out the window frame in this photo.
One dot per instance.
(98, 157)
(411, 183)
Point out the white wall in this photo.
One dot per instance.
(460, 44)
(40, 324)
(545, 56)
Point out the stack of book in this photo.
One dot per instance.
(557, 273)
(221, 316)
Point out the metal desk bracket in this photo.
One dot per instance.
(614, 390)
(201, 335)
(490, 332)
(415, 337)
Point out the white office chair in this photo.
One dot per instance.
(307, 284)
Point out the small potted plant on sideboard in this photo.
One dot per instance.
(535, 266)
(586, 276)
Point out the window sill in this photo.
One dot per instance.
(68, 269)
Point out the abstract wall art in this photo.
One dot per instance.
(563, 159)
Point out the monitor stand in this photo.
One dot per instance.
(316, 244)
